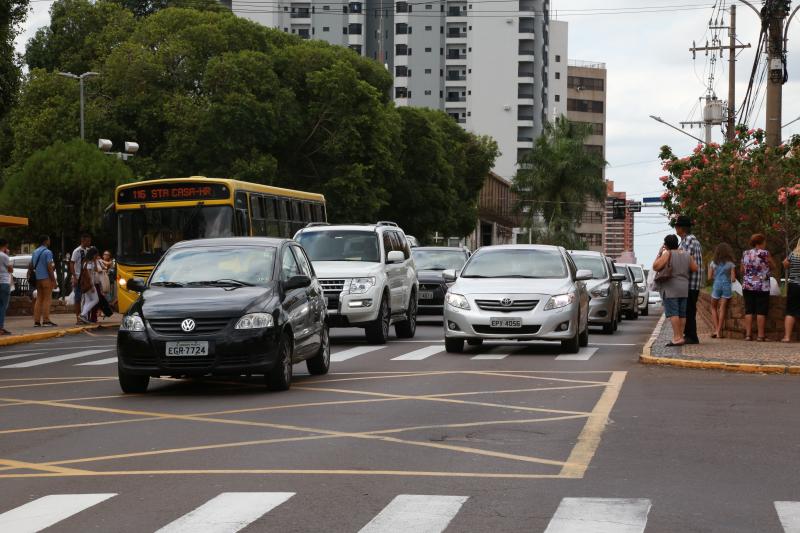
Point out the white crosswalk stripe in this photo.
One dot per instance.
(789, 515)
(46, 511)
(55, 359)
(108, 361)
(19, 356)
(412, 513)
(489, 357)
(419, 355)
(354, 352)
(583, 355)
(600, 515)
(227, 513)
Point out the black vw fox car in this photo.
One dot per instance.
(232, 306)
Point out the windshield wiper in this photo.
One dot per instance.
(167, 284)
(222, 283)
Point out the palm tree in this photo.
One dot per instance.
(556, 179)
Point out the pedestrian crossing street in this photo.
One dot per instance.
(89, 357)
(230, 512)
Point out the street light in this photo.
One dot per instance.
(80, 79)
(131, 148)
(661, 120)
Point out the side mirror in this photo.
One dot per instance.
(395, 256)
(617, 277)
(449, 276)
(297, 282)
(583, 275)
(136, 285)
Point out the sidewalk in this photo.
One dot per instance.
(23, 331)
(723, 354)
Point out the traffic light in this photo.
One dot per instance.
(618, 209)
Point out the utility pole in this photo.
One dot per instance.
(731, 48)
(772, 17)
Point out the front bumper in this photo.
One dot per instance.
(231, 352)
(627, 304)
(552, 325)
(643, 303)
(435, 304)
(356, 310)
(601, 310)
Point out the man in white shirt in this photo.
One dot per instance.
(6, 269)
(75, 264)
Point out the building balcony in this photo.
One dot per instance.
(455, 99)
(456, 12)
(304, 14)
(455, 55)
(456, 77)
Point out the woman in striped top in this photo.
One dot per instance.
(792, 266)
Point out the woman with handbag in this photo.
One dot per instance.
(672, 267)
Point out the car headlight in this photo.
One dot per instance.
(458, 301)
(361, 285)
(255, 321)
(561, 300)
(132, 323)
(601, 291)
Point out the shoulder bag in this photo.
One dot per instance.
(665, 273)
(32, 271)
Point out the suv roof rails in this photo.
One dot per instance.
(387, 223)
(315, 224)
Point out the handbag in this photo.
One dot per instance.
(85, 280)
(665, 273)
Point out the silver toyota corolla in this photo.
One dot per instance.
(518, 292)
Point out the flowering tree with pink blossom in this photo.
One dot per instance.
(733, 190)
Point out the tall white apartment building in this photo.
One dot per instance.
(498, 68)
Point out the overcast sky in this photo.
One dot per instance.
(650, 72)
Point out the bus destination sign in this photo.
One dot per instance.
(173, 192)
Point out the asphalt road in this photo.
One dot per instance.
(401, 438)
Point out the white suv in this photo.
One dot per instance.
(368, 276)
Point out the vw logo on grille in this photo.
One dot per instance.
(506, 302)
(188, 325)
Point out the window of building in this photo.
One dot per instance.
(558, 75)
(593, 239)
(326, 28)
(344, 30)
(428, 6)
(427, 92)
(585, 84)
(558, 59)
(286, 8)
(584, 106)
(428, 28)
(427, 49)
(427, 71)
(558, 98)
(326, 8)
(401, 92)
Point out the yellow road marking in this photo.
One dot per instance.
(401, 473)
(509, 375)
(36, 466)
(589, 438)
(77, 425)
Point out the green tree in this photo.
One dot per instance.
(64, 188)
(556, 179)
(12, 14)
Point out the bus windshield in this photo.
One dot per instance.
(145, 234)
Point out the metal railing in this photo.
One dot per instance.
(585, 64)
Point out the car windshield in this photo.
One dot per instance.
(590, 262)
(519, 263)
(227, 266)
(638, 274)
(623, 270)
(439, 259)
(145, 234)
(348, 245)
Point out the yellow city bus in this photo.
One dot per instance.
(153, 215)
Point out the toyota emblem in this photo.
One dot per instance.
(506, 302)
(188, 325)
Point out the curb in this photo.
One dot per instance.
(648, 358)
(43, 335)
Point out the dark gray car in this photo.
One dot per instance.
(604, 289)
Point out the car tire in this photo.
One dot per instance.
(378, 331)
(608, 329)
(572, 345)
(635, 315)
(321, 363)
(646, 311)
(132, 383)
(454, 345)
(407, 328)
(475, 342)
(616, 323)
(583, 338)
(279, 377)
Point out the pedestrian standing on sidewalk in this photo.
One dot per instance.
(792, 266)
(6, 269)
(690, 245)
(722, 271)
(75, 264)
(673, 267)
(87, 280)
(45, 274)
(756, 267)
